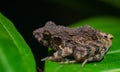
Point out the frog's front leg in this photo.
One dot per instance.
(56, 57)
(96, 57)
(60, 54)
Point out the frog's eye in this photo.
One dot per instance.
(105, 36)
(46, 33)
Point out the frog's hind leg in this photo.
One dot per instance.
(67, 61)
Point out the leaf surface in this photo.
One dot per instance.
(15, 54)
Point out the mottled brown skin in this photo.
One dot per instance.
(83, 44)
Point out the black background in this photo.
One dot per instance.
(27, 15)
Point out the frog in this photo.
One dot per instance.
(73, 45)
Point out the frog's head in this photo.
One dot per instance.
(43, 34)
(106, 39)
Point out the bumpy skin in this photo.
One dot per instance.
(83, 44)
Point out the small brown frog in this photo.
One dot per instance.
(71, 45)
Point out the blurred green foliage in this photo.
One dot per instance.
(15, 55)
(83, 4)
(111, 61)
(115, 3)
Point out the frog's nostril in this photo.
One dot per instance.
(36, 34)
(111, 38)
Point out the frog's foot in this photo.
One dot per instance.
(47, 58)
(66, 61)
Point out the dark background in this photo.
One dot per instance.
(27, 15)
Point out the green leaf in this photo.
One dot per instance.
(15, 55)
(111, 61)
